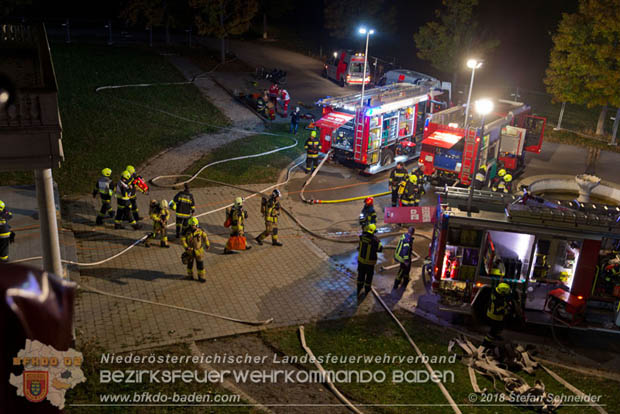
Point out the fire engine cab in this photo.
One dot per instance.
(449, 151)
(346, 68)
(561, 258)
(382, 131)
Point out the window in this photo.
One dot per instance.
(357, 67)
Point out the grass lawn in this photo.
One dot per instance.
(264, 169)
(93, 390)
(377, 334)
(117, 127)
(570, 138)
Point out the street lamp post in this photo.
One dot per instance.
(363, 30)
(483, 108)
(473, 64)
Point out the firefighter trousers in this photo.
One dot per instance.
(134, 208)
(311, 163)
(106, 207)
(496, 328)
(4, 249)
(365, 273)
(395, 197)
(181, 225)
(271, 228)
(200, 265)
(403, 273)
(159, 229)
(123, 213)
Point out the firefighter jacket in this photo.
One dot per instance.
(237, 217)
(123, 192)
(402, 254)
(312, 147)
(481, 176)
(195, 240)
(160, 215)
(397, 176)
(103, 187)
(183, 204)
(408, 192)
(499, 306)
(132, 185)
(272, 210)
(5, 229)
(504, 187)
(368, 216)
(260, 104)
(369, 246)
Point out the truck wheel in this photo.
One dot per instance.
(387, 157)
(342, 84)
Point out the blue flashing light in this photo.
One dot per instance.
(369, 111)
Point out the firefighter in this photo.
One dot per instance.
(123, 203)
(369, 246)
(160, 215)
(499, 178)
(368, 214)
(506, 185)
(480, 177)
(103, 187)
(499, 306)
(397, 176)
(195, 242)
(184, 206)
(409, 192)
(261, 103)
(6, 235)
(270, 210)
(237, 216)
(402, 255)
(498, 269)
(133, 201)
(295, 115)
(285, 100)
(312, 147)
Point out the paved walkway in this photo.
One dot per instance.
(293, 284)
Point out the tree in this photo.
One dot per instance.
(584, 64)
(153, 13)
(222, 18)
(447, 42)
(343, 17)
(275, 9)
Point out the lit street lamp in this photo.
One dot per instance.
(367, 33)
(483, 108)
(473, 64)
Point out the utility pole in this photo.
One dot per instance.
(559, 126)
(615, 128)
(47, 217)
(67, 31)
(109, 27)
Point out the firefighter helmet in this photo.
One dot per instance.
(369, 201)
(276, 193)
(508, 178)
(193, 221)
(2, 205)
(131, 169)
(126, 175)
(483, 167)
(371, 228)
(163, 204)
(238, 201)
(106, 172)
(413, 178)
(503, 288)
(153, 202)
(501, 172)
(313, 134)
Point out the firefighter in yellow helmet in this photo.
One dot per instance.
(506, 185)
(499, 178)
(312, 147)
(409, 192)
(123, 203)
(195, 242)
(6, 235)
(103, 187)
(236, 216)
(368, 247)
(160, 215)
(133, 201)
(397, 176)
(270, 209)
(480, 178)
(499, 307)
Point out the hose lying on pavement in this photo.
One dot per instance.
(329, 383)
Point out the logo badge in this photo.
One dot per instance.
(35, 385)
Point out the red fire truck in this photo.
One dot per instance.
(346, 68)
(380, 132)
(448, 151)
(562, 258)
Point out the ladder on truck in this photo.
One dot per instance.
(469, 160)
(358, 143)
(384, 94)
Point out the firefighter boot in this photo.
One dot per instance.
(147, 241)
(259, 241)
(136, 226)
(99, 221)
(164, 243)
(201, 276)
(276, 243)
